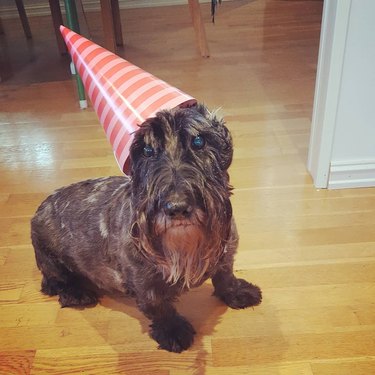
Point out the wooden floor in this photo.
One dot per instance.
(312, 252)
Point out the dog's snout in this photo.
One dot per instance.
(176, 209)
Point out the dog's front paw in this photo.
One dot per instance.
(174, 334)
(240, 295)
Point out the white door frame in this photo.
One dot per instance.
(335, 24)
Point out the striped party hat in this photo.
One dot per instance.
(122, 94)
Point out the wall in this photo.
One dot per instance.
(353, 154)
(342, 145)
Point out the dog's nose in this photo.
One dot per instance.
(176, 209)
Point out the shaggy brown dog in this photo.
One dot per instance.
(166, 229)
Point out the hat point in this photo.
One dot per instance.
(122, 94)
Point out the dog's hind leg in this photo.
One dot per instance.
(75, 293)
(73, 290)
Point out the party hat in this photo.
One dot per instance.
(122, 94)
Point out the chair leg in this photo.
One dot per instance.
(200, 32)
(1, 28)
(24, 20)
(57, 21)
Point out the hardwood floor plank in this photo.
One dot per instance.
(282, 369)
(16, 362)
(4, 252)
(110, 359)
(53, 336)
(22, 315)
(10, 292)
(349, 366)
(302, 347)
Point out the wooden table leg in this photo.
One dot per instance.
(200, 32)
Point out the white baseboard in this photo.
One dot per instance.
(352, 174)
(41, 8)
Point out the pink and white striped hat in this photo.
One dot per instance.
(122, 94)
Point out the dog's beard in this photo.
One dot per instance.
(183, 246)
(187, 250)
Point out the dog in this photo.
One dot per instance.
(154, 235)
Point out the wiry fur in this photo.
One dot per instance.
(116, 233)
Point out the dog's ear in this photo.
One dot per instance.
(223, 139)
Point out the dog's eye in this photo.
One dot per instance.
(148, 151)
(198, 142)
